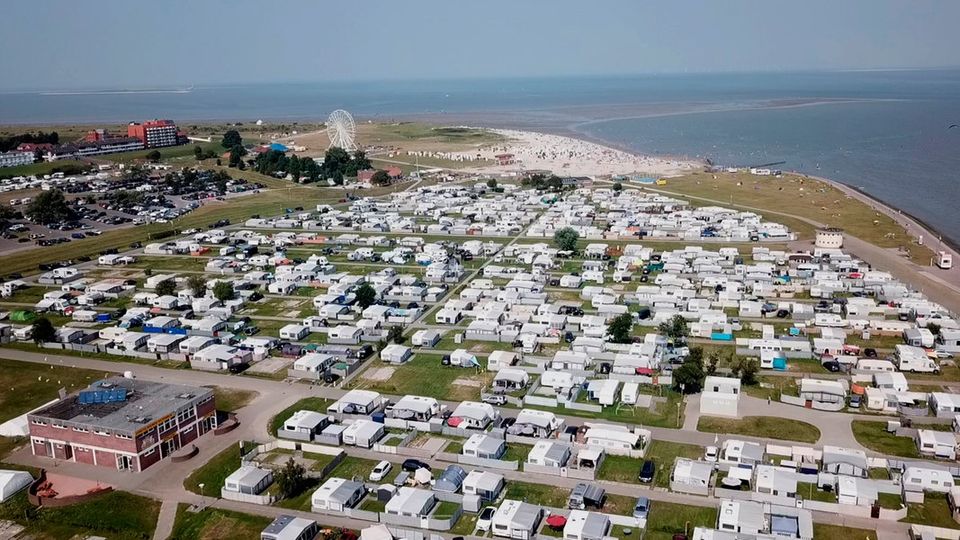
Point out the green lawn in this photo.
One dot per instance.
(216, 524)
(619, 469)
(767, 427)
(891, 501)
(117, 514)
(664, 453)
(231, 399)
(874, 435)
(934, 511)
(516, 452)
(810, 492)
(667, 519)
(445, 509)
(25, 385)
(542, 494)
(821, 530)
(353, 466)
(214, 472)
(303, 500)
(308, 404)
(424, 376)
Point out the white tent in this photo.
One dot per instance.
(376, 532)
(11, 482)
(422, 476)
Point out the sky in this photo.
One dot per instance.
(109, 44)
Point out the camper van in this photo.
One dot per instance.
(914, 359)
(944, 260)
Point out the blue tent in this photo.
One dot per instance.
(278, 147)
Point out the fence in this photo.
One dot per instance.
(246, 497)
(562, 472)
(488, 463)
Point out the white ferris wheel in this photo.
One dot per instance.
(341, 130)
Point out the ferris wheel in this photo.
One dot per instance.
(341, 130)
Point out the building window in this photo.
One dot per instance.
(150, 452)
(102, 432)
(38, 422)
(80, 429)
(122, 436)
(59, 426)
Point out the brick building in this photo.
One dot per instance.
(122, 424)
(155, 133)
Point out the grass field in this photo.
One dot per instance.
(424, 376)
(216, 524)
(116, 515)
(874, 435)
(804, 197)
(667, 519)
(663, 454)
(542, 494)
(766, 427)
(214, 472)
(822, 530)
(231, 399)
(25, 386)
(353, 466)
(309, 404)
(934, 511)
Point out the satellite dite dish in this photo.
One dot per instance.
(341, 130)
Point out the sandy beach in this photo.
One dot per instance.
(572, 157)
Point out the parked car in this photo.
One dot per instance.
(647, 471)
(870, 352)
(642, 508)
(485, 518)
(711, 454)
(380, 471)
(495, 399)
(331, 378)
(411, 465)
(855, 401)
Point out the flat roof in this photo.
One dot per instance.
(146, 403)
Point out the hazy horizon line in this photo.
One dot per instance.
(152, 87)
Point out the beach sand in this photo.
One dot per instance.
(567, 156)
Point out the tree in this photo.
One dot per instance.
(676, 328)
(688, 378)
(395, 334)
(712, 362)
(223, 291)
(492, 183)
(335, 163)
(366, 295)
(618, 186)
(290, 479)
(43, 331)
(166, 287)
(620, 327)
(236, 156)
(566, 239)
(359, 162)
(50, 207)
(748, 371)
(197, 284)
(6, 214)
(380, 178)
(198, 152)
(154, 156)
(231, 138)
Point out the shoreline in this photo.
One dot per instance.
(929, 232)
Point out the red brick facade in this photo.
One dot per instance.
(84, 444)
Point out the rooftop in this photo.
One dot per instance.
(145, 403)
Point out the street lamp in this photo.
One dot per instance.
(201, 494)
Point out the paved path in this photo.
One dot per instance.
(168, 513)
